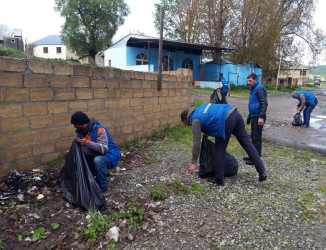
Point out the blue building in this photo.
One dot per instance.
(140, 53)
(234, 73)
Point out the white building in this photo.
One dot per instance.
(51, 47)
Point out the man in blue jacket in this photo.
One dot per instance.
(98, 147)
(219, 121)
(257, 112)
(224, 88)
(308, 102)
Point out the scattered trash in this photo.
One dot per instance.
(19, 191)
(113, 234)
(8, 193)
(23, 206)
(40, 196)
(20, 197)
(37, 216)
(160, 223)
(295, 211)
(17, 173)
(88, 217)
(123, 169)
(30, 191)
(3, 197)
(36, 170)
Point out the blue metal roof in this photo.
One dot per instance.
(49, 40)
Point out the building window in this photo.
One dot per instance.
(167, 64)
(58, 49)
(141, 59)
(187, 64)
(45, 50)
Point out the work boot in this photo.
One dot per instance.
(262, 177)
(249, 162)
(246, 158)
(104, 189)
(217, 182)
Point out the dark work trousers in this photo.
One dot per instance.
(256, 134)
(234, 124)
(223, 94)
(307, 111)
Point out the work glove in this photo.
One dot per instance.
(248, 119)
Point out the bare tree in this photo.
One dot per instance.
(5, 31)
(258, 30)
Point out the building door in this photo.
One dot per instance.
(290, 82)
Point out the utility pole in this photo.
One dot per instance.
(278, 72)
(160, 48)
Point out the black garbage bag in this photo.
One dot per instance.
(297, 120)
(214, 98)
(77, 182)
(207, 157)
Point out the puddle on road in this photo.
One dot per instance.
(316, 146)
(318, 123)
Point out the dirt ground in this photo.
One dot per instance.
(31, 200)
(287, 211)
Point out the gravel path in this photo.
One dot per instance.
(287, 211)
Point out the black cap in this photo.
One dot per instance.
(221, 74)
(79, 118)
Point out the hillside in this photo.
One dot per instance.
(319, 70)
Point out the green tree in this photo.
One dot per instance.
(90, 25)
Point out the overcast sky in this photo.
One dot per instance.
(37, 18)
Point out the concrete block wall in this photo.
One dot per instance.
(37, 99)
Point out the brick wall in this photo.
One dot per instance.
(37, 99)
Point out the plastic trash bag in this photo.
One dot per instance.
(214, 98)
(77, 182)
(297, 120)
(207, 157)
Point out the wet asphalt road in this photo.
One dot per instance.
(278, 127)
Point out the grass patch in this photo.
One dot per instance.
(242, 91)
(158, 191)
(97, 223)
(194, 187)
(179, 134)
(57, 162)
(61, 61)
(12, 52)
(322, 188)
(132, 212)
(196, 103)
